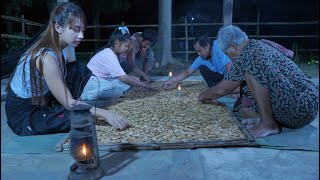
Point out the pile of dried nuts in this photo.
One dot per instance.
(165, 117)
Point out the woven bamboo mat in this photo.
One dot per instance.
(163, 119)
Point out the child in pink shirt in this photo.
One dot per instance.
(109, 79)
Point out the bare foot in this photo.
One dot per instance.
(259, 128)
(249, 122)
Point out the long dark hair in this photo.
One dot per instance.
(120, 34)
(64, 14)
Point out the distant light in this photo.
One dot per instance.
(192, 18)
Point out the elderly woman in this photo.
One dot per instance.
(274, 93)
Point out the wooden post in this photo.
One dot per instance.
(164, 32)
(227, 12)
(258, 21)
(186, 36)
(23, 29)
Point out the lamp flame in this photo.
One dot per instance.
(179, 87)
(84, 150)
(170, 74)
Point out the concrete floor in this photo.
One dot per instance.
(199, 164)
(185, 164)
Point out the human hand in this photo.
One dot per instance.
(115, 120)
(166, 84)
(204, 97)
(146, 78)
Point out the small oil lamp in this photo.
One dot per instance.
(179, 90)
(170, 75)
(83, 145)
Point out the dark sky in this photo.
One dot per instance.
(204, 11)
(146, 11)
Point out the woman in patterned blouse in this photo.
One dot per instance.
(274, 92)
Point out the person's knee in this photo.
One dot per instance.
(206, 72)
(211, 78)
(110, 94)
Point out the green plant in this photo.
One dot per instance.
(313, 60)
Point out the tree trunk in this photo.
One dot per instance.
(227, 12)
(163, 47)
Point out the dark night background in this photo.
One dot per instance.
(135, 12)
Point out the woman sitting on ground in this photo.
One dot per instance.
(44, 86)
(274, 92)
(109, 79)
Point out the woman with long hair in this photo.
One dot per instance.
(44, 86)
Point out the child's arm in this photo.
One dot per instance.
(132, 81)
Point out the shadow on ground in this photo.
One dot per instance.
(113, 162)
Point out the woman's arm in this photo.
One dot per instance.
(228, 67)
(115, 120)
(219, 90)
(54, 80)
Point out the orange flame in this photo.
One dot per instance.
(84, 150)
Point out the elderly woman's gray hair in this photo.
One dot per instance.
(230, 34)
